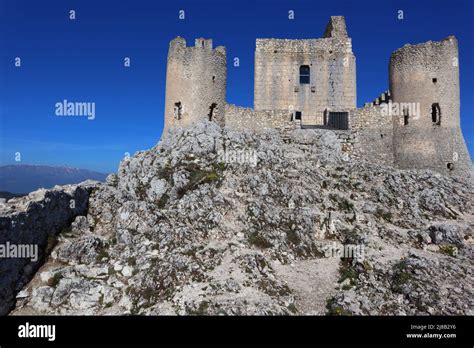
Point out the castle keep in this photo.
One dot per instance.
(303, 84)
(309, 77)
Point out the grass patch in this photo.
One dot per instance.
(201, 310)
(292, 308)
(347, 272)
(383, 214)
(259, 241)
(342, 202)
(448, 249)
(200, 176)
(131, 261)
(271, 288)
(54, 281)
(166, 172)
(334, 309)
(102, 254)
(401, 277)
(163, 200)
(292, 236)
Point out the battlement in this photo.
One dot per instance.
(178, 47)
(196, 80)
(203, 43)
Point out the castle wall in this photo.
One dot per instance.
(332, 83)
(240, 118)
(420, 127)
(350, 143)
(374, 133)
(195, 83)
(426, 75)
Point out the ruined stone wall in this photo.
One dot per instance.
(195, 83)
(428, 74)
(374, 133)
(350, 144)
(240, 118)
(332, 74)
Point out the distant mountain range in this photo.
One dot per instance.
(26, 178)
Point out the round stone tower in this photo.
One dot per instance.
(424, 84)
(195, 83)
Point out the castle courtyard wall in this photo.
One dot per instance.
(374, 133)
(240, 118)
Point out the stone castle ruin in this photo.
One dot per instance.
(311, 84)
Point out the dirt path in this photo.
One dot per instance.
(312, 281)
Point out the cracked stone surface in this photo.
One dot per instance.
(178, 232)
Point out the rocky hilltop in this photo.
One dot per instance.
(214, 221)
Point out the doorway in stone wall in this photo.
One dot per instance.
(338, 120)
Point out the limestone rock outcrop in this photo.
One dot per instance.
(217, 221)
(28, 227)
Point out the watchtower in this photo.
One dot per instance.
(424, 83)
(195, 83)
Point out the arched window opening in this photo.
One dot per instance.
(304, 74)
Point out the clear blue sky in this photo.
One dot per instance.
(82, 60)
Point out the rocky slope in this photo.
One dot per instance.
(212, 221)
(32, 222)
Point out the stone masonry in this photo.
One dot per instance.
(332, 79)
(196, 80)
(428, 75)
(311, 83)
(240, 118)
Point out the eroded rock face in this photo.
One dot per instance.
(195, 226)
(28, 228)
